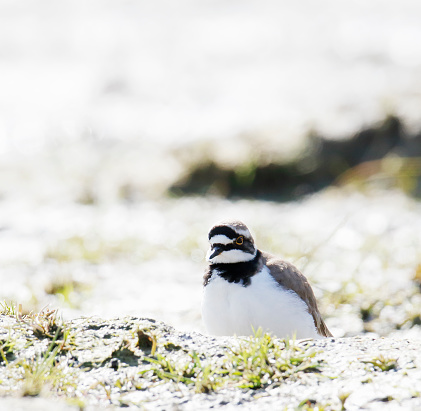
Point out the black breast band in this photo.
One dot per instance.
(235, 272)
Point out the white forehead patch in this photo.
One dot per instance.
(220, 239)
(242, 231)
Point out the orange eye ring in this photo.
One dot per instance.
(239, 240)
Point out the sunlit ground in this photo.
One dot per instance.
(360, 249)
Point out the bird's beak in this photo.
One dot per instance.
(215, 250)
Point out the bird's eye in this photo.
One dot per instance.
(239, 240)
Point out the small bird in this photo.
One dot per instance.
(246, 289)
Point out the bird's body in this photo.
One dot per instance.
(246, 289)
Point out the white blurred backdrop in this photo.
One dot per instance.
(98, 98)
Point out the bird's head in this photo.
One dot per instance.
(230, 242)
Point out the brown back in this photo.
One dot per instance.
(288, 276)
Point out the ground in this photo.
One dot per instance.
(141, 363)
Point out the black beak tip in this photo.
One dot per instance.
(216, 251)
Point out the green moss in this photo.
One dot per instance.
(8, 308)
(381, 363)
(263, 360)
(256, 363)
(7, 348)
(83, 363)
(45, 372)
(171, 347)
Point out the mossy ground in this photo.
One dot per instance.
(141, 363)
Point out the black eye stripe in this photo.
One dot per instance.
(227, 247)
(223, 230)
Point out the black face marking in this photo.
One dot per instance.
(235, 272)
(223, 230)
(247, 247)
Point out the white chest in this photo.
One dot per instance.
(232, 309)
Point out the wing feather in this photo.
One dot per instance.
(290, 277)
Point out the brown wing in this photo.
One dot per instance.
(289, 277)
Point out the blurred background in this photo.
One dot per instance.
(128, 128)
